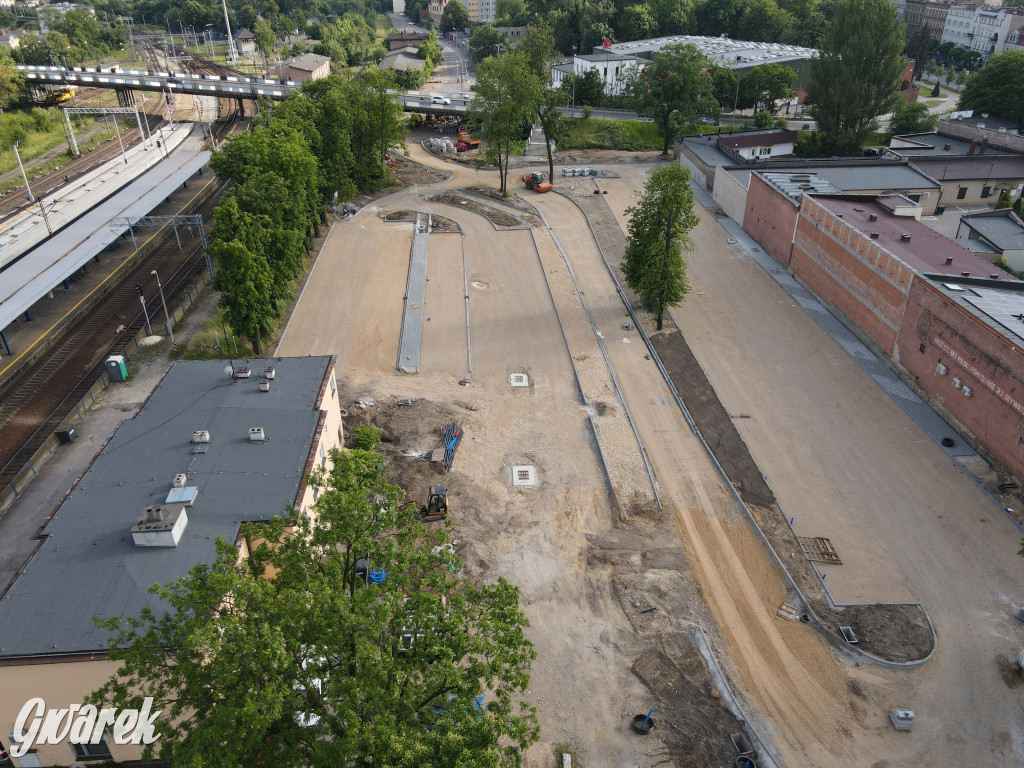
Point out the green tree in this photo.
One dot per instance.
(936, 91)
(764, 21)
(858, 73)
(1004, 200)
(950, 74)
(919, 48)
(391, 674)
(247, 288)
(454, 16)
(11, 81)
(586, 89)
(675, 88)
(910, 118)
(675, 17)
(430, 50)
(767, 84)
(1018, 206)
(508, 10)
(484, 42)
(961, 77)
(659, 232)
(381, 128)
(246, 17)
(508, 93)
(998, 88)
(265, 36)
(636, 22)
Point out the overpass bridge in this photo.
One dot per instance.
(228, 86)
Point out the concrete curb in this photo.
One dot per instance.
(815, 621)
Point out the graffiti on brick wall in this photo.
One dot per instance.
(968, 366)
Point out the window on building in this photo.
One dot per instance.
(323, 455)
(916, 198)
(985, 192)
(92, 751)
(332, 385)
(766, 150)
(961, 193)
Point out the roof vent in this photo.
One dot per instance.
(269, 372)
(159, 525)
(264, 385)
(904, 237)
(965, 274)
(872, 217)
(874, 235)
(243, 372)
(256, 435)
(949, 260)
(946, 147)
(994, 276)
(201, 436)
(179, 480)
(859, 210)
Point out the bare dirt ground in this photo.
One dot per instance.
(906, 522)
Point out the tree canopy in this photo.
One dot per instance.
(659, 232)
(857, 76)
(508, 93)
(676, 87)
(998, 88)
(911, 118)
(454, 16)
(294, 657)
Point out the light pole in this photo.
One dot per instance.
(160, 288)
(145, 312)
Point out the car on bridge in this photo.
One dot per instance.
(440, 100)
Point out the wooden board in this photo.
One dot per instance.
(820, 550)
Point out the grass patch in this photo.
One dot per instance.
(216, 342)
(383, 25)
(596, 133)
(934, 102)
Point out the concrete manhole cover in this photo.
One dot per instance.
(525, 475)
(479, 285)
(519, 380)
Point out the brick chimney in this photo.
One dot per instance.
(984, 144)
(974, 145)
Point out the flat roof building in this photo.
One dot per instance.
(206, 453)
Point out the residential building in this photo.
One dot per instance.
(402, 59)
(612, 68)
(486, 10)
(998, 233)
(926, 13)
(513, 34)
(206, 453)
(9, 38)
(900, 6)
(435, 8)
(754, 146)
(992, 28)
(1015, 41)
(959, 27)
(308, 66)
(973, 179)
(406, 38)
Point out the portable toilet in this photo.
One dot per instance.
(116, 369)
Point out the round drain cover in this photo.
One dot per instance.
(478, 284)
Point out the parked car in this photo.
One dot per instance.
(440, 100)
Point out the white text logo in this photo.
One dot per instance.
(81, 724)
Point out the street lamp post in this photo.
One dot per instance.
(170, 331)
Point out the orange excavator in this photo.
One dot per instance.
(535, 181)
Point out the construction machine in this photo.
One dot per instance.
(436, 507)
(464, 142)
(535, 181)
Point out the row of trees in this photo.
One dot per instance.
(75, 37)
(327, 142)
(292, 657)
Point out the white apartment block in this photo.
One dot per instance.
(612, 68)
(982, 28)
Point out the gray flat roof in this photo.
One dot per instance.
(722, 50)
(853, 178)
(932, 144)
(972, 168)
(1001, 228)
(88, 564)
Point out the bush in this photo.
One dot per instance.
(935, 90)
(366, 437)
(588, 111)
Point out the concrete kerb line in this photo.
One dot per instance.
(728, 698)
(579, 384)
(465, 290)
(522, 224)
(303, 291)
(815, 621)
(608, 364)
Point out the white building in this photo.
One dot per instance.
(983, 28)
(612, 68)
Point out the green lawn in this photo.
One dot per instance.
(595, 133)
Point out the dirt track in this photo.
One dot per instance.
(554, 540)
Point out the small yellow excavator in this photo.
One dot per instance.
(436, 508)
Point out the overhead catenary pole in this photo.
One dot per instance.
(232, 55)
(71, 134)
(28, 189)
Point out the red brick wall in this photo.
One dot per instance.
(850, 271)
(987, 363)
(769, 219)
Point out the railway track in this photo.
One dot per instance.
(33, 403)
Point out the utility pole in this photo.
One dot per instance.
(23, 175)
(232, 55)
(145, 312)
(160, 288)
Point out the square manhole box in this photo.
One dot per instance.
(525, 476)
(519, 380)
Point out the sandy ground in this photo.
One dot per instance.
(841, 458)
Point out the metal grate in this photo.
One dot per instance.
(819, 550)
(523, 474)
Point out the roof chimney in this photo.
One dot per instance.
(965, 274)
(904, 237)
(994, 276)
(949, 260)
(984, 144)
(947, 147)
(159, 525)
(874, 235)
(872, 217)
(974, 145)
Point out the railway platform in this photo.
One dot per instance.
(54, 285)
